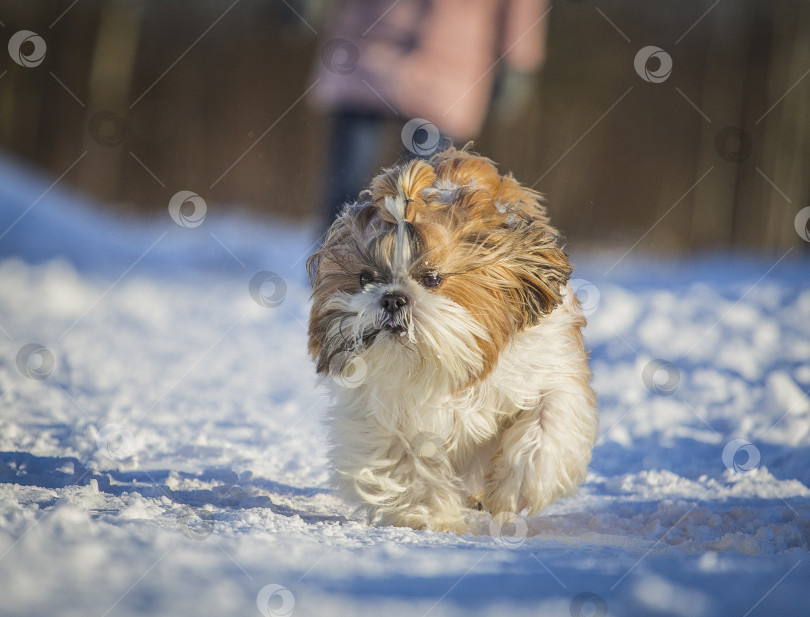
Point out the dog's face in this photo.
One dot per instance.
(430, 275)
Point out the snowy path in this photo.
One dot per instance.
(171, 460)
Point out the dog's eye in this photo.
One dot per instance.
(366, 278)
(431, 280)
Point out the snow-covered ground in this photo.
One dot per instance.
(161, 451)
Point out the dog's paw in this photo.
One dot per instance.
(435, 522)
(496, 499)
(476, 502)
(451, 526)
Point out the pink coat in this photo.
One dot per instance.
(433, 60)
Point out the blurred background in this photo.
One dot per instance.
(705, 146)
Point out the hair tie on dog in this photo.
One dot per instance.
(408, 201)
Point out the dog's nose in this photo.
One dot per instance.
(393, 301)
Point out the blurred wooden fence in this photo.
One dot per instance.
(205, 95)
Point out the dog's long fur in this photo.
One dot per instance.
(442, 310)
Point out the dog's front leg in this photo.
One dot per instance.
(544, 453)
(431, 495)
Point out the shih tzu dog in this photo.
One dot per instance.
(442, 312)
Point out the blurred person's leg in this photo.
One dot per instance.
(355, 143)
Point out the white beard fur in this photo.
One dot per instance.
(409, 452)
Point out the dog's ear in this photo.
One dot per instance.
(541, 265)
(332, 269)
(529, 246)
(541, 268)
